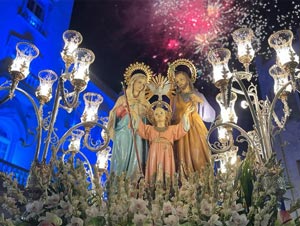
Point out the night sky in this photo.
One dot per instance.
(156, 32)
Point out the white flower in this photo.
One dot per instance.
(171, 220)
(155, 212)
(139, 219)
(183, 193)
(236, 207)
(223, 185)
(182, 211)
(45, 223)
(118, 211)
(168, 208)
(237, 220)
(206, 207)
(50, 218)
(265, 221)
(75, 221)
(138, 206)
(52, 201)
(66, 208)
(214, 221)
(34, 207)
(10, 201)
(94, 211)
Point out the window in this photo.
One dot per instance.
(36, 9)
(4, 146)
(3, 150)
(34, 12)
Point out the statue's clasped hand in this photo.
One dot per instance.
(189, 110)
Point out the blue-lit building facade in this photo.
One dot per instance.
(41, 22)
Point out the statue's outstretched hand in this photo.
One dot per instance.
(196, 99)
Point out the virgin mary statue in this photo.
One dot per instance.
(129, 150)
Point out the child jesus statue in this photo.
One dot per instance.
(160, 166)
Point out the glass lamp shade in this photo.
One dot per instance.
(227, 113)
(221, 160)
(25, 53)
(103, 158)
(44, 91)
(243, 38)
(104, 134)
(219, 59)
(281, 41)
(233, 158)
(280, 77)
(72, 40)
(223, 134)
(228, 157)
(80, 74)
(74, 145)
(92, 102)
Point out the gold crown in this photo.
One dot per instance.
(189, 64)
(137, 67)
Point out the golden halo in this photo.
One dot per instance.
(189, 64)
(135, 67)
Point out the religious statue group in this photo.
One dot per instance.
(157, 125)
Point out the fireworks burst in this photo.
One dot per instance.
(196, 24)
(174, 29)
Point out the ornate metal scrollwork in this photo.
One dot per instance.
(223, 145)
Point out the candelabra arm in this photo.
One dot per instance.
(291, 68)
(39, 119)
(99, 147)
(259, 126)
(280, 93)
(63, 96)
(52, 122)
(247, 97)
(90, 172)
(227, 147)
(6, 98)
(84, 124)
(250, 94)
(16, 77)
(3, 87)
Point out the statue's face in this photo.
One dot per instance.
(181, 81)
(159, 115)
(139, 84)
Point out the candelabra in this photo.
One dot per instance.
(232, 84)
(76, 72)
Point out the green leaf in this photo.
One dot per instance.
(187, 224)
(246, 181)
(96, 221)
(23, 224)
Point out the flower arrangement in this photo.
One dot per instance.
(247, 194)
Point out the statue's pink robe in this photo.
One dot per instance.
(160, 164)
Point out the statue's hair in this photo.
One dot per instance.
(129, 90)
(163, 105)
(186, 75)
